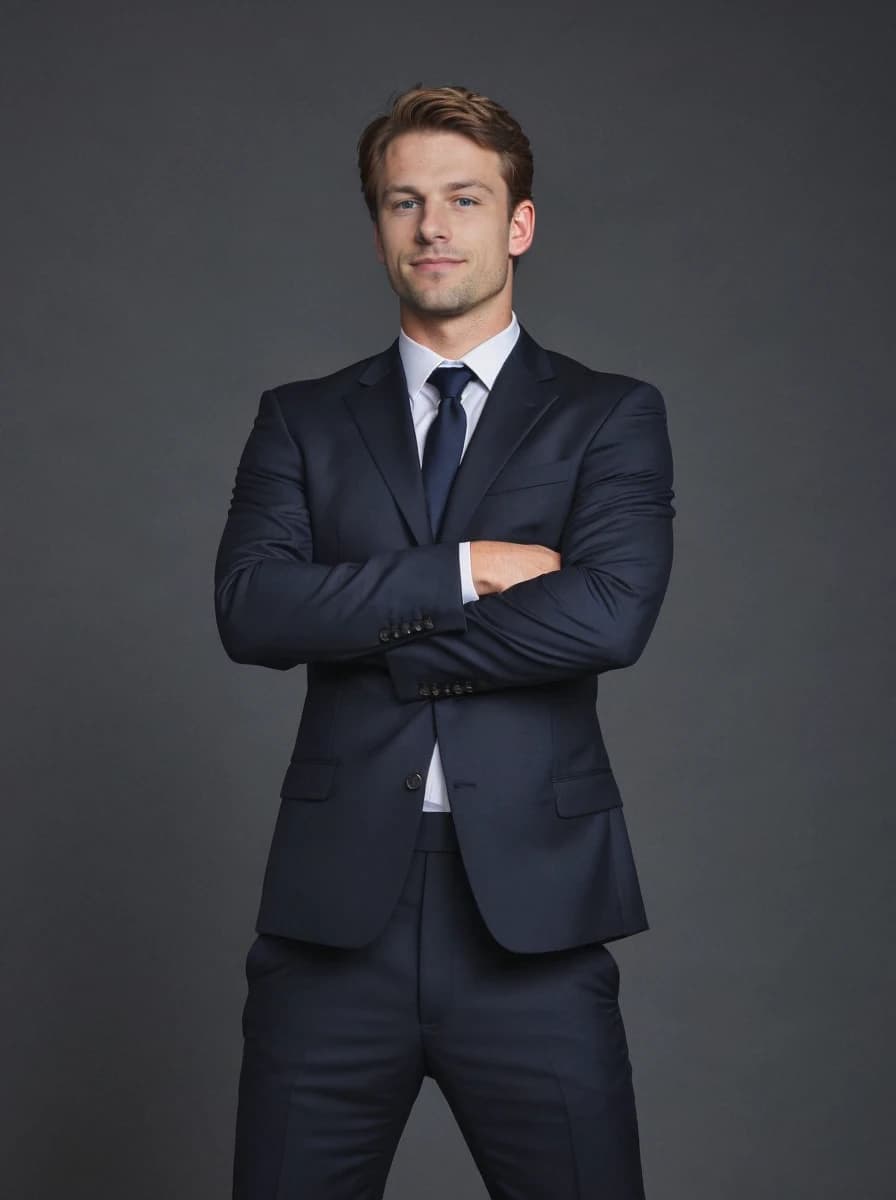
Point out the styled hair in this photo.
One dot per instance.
(458, 110)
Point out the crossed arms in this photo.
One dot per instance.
(587, 609)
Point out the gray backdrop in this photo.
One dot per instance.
(714, 187)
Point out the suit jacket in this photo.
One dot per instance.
(327, 558)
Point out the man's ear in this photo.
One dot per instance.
(522, 228)
(378, 243)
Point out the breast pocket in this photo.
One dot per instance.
(516, 476)
(527, 502)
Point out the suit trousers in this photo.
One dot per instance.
(529, 1051)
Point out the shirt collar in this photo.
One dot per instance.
(486, 359)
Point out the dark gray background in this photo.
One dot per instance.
(715, 191)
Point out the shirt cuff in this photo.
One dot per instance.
(467, 587)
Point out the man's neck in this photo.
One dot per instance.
(453, 337)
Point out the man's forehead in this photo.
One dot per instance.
(441, 159)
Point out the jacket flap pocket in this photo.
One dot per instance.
(590, 793)
(308, 779)
(521, 475)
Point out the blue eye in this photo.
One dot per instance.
(406, 205)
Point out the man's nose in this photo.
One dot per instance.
(432, 224)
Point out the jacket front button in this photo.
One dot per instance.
(396, 632)
(468, 687)
(413, 781)
(406, 627)
(418, 627)
(384, 635)
(423, 690)
(428, 622)
(457, 688)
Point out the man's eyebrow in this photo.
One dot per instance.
(456, 186)
(468, 183)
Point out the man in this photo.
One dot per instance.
(457, 536)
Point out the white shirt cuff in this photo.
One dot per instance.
(467, 587)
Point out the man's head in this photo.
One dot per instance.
(447, 175)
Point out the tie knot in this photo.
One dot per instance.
(451, 381)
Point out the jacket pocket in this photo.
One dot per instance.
(308, 779)
(523, 475)
(592, 792)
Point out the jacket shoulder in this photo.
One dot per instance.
(323, 386)
(580, 378)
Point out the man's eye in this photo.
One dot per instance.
(465, 200)
(402, 203)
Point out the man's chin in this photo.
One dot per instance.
(431, 304)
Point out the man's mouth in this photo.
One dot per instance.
(432, 264)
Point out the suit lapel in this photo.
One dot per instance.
(523, 391)
(381, 408)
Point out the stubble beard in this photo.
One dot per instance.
(448, 300)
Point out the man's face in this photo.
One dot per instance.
(443, 230)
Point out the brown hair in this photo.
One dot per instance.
(461, 111)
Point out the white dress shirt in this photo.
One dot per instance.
(419, 362)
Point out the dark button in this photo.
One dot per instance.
(418, 626)
(413, 781)
(436, 690)
(428, 623)
(468, 687)
(423, 690)
(406, 627)
(385, 636)
(457, 688)
(396, 632)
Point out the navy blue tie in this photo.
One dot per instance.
(444, 440)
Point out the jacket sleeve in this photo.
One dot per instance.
(275, 607)
(597, 611)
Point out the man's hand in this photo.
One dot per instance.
(499, 565)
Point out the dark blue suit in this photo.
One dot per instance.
(327, 559)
